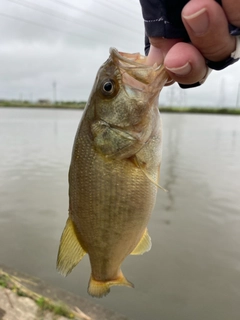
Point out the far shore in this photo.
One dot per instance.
(81, 105)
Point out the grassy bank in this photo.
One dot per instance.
(16, 285)
(22, 294)
(44, 104)
(80, 105)
(232, 111)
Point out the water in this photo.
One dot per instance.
(193, 269)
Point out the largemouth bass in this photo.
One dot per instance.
(114, 171)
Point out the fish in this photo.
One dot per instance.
(114, 171)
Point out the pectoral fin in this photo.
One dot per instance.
(137, 163)
(144, 244)
(70, 251)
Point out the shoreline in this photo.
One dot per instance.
(80, 106)
(25, 297)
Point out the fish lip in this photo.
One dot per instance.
(136, 74)
(135, 59)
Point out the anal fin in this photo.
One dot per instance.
(70, 251)
(144, 244)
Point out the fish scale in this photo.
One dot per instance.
(114, 171)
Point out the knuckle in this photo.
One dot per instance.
(219, 51)
(235, 20)
(232, 11)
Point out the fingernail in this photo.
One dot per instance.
(198, 21)
(181, 71)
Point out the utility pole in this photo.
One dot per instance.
(238, 96)
(184, 98)
(221, 102)
(54, 91)
(171, 96)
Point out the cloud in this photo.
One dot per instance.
(43, 42)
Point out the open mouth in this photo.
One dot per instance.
(136, 73)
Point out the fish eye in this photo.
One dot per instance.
(108, 87)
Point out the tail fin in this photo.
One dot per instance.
(99, 289)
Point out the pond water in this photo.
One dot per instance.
(193, 268)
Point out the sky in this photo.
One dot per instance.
(62, 43)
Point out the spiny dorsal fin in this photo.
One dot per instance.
(144, 245)
(135, 159)
(70, 251)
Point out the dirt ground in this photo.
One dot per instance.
(18, 300)
(14, 307)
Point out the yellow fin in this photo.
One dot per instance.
(70, 251)
(99, 289)
(146, 175)
(144, 245)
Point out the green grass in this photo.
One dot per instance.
(43, 303)
(4, 280)
(58, 309)
(81, 105)
(200, 110)
(47, 105)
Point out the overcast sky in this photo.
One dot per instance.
(66, 41)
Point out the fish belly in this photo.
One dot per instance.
(110, 205)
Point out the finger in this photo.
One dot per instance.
(232, 11)
(207, 27)
(185, 64)
(158, 49)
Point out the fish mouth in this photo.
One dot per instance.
(137, 74)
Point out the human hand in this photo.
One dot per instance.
(206, 23)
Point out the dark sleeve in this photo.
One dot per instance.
(162, 18)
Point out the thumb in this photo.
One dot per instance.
(207, 27)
